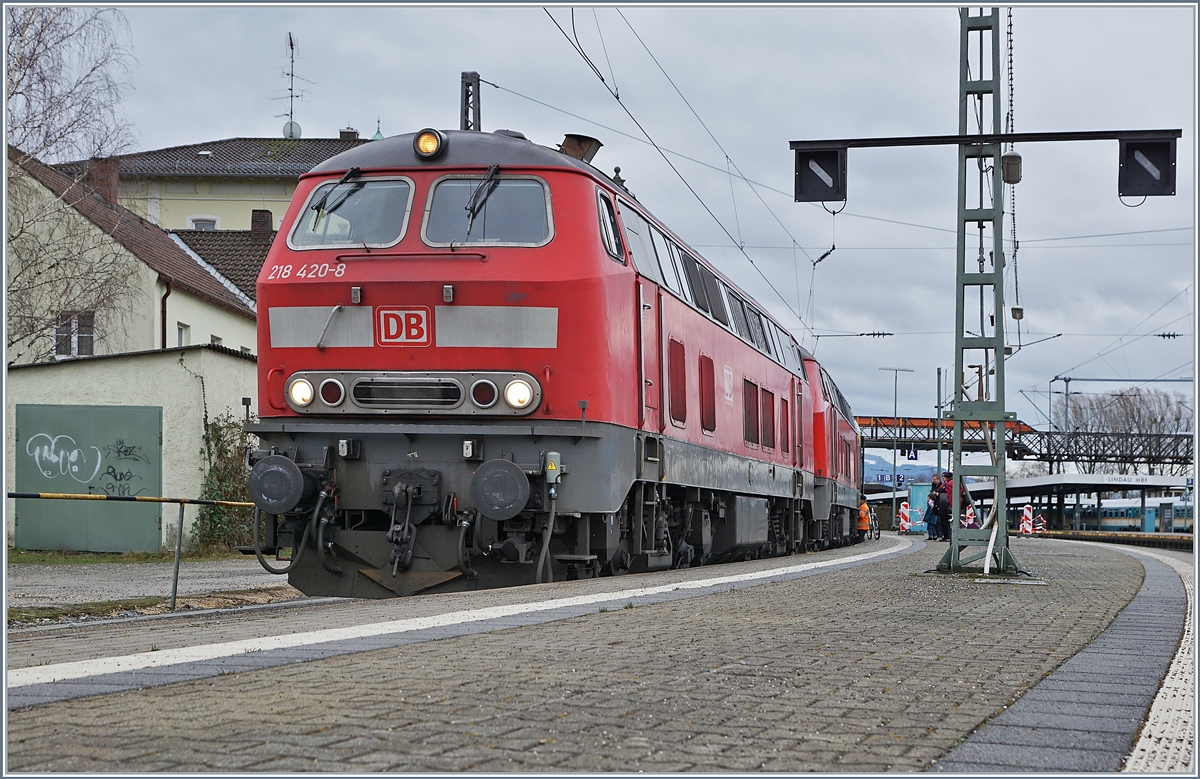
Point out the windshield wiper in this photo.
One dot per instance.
(481, 194)
(320, 204)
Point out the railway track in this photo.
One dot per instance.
(1179, 541)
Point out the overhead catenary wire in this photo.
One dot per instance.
(677, 172)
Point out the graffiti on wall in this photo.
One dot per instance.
(116, 468)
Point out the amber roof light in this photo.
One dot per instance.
(429, 144)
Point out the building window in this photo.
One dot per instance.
(185, 334)
(678, 376)
(750, 407)
(215, 340)
(74, 334)
(204, 224)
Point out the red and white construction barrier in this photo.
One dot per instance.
(1027, 520)
(904, 522)
(1039, 524)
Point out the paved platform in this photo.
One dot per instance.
(851, 660)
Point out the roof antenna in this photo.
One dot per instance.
(291, 129)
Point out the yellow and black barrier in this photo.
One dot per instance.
(140, 499)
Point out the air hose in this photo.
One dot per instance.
(464, 563)
(297, 551)
(543, 558)
(333, 568)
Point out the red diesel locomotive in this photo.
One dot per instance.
(482, 363)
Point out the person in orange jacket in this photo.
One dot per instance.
(864, 518)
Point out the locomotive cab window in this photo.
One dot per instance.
(609, 233)
(373, 212)
(489, 209)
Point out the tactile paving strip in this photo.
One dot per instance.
(1167, 742)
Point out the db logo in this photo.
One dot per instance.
(404, 326)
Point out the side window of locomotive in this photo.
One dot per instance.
(750, 411)
(768, 419)
(738, 311)
(677, 374)
(608, 229)
(681, 272)
(516, 213)
(641, 247)
(662, 247)
(692, 271)
(716, 303)
(756, 329)
(374, 212)
(708, 395)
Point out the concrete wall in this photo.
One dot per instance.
(170, 379)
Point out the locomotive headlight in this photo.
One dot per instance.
(518, 393)
(429, 143)
(300, 392)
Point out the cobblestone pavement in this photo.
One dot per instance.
(55, 585)
(872, 668)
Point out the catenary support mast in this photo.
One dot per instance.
(980, 346)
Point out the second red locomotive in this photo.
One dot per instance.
(482, 362)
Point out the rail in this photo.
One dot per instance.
(141, 499)
(1180, 541)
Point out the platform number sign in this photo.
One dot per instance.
(1147, 168)
(820, 175)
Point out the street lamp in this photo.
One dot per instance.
(895, 430)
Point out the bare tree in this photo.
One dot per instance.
(64, 81)
(66, 278)
(1136, 411)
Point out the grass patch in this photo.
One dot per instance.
(19, 616)
(25, 557)
(75, 610)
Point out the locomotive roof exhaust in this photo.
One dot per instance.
(581, 147)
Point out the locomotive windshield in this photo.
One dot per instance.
(516, 211)
(353, 213)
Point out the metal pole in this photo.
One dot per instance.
(178, 550)
(895, 436)
(939, 420)
(895, 432)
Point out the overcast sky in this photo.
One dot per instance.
(1107, 276)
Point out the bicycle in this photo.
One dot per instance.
(873, 530)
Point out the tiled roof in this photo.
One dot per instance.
(235, 253)
(147, 242)
(280, 157)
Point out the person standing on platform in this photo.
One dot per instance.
(945, 513)
(864, 518)
(932, 523)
